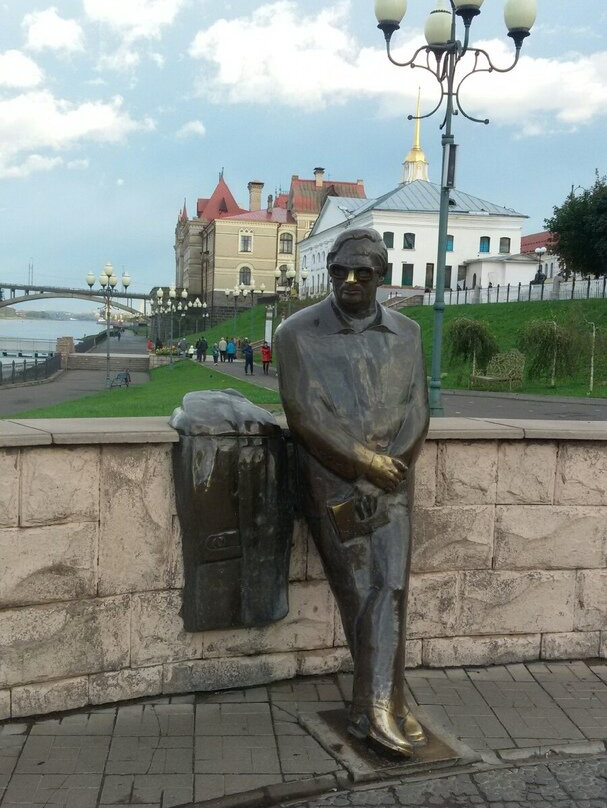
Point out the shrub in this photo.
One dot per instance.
(470, 341)
(549, 348)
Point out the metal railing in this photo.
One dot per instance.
(22, 370)
(87, 344)
(575, 289)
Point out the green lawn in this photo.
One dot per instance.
(160, 397)
(505, 320)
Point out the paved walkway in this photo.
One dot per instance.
(534, 735)
(72, 384)
(476, 404)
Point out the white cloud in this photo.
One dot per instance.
(78, 165)
(134, 19)
(277, 55)
(124, 58)
(46, 30)
(191, 128)
(33, 164)
(18, 70)
(119, 182)
(36, 122)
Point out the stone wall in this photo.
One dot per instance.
(509, 563)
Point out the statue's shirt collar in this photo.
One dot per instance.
(341, 323)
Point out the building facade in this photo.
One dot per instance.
(225, 245)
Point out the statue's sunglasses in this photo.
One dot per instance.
(341, 273)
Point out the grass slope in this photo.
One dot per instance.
(165, 391)
(506, 320)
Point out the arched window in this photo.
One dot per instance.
(409, 241)
(244, 276)
(286, 243)
(474, 281)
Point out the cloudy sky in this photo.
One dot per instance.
(113, 111)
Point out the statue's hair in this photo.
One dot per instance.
(377, 247)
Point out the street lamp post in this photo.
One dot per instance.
(108, 282)
(441, 57)
(540, 252)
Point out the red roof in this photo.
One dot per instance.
(281, 200)
(531, 242)
(306, 196)
(280, 215)
(221, 204)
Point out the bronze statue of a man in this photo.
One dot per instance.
(353, 386)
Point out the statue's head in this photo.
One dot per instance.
(357, 264)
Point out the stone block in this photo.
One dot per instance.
(413, 653)
(157, 633)
(49, 697)
(571, 645)
(51, 563)
(59, 485)
(452, 538)
(225, 674)
(497, 650)
(425, 475)
(5, 704)
(500, 602)
(339, 635)
(558, 537)
(9, 487)
(134, 683)
(315, 569)
(581, 477)
(299, 551)
(433, 605)
(137, 504)
(603, 647)
(467, 472)
(526, 472)
(176, 574)
(324, 661)
(591, 604)
(39, 643)
(309, 624)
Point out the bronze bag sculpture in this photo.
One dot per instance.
(353, 385)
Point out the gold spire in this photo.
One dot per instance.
(415, 166)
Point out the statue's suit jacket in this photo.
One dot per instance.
(346, 391)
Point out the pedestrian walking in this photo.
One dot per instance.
(191, 352)
(215, 353)
(231, 350)
(247, 352)
(222, 345)
(204, 347)
(266, 357)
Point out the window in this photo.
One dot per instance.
(474, 281)
(429, 281)
(286, 243)
(485, 244)
(407, 275)
(447, 277)
(409, 241)
(461, 276)
(504, 245)
(246, 241)
(389, 239)
(388, 275)
(244, 276)
(449, 243)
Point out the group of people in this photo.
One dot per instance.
(225, 350)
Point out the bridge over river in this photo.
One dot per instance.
(11, 294)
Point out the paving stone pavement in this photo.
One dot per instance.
(171, 751)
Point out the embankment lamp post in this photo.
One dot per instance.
(108, 281)
(540, 252)
(442, 56)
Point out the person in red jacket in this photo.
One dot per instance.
(266, 357)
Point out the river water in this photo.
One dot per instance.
(19, 328)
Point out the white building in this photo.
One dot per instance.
(407, 217)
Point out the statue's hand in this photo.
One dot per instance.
(386, 472)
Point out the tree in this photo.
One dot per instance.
(549, 349)
(470, 340)
(580, 229)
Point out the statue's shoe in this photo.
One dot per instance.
(378, 724)
(412, 729)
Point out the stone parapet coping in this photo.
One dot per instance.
(47, 431)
